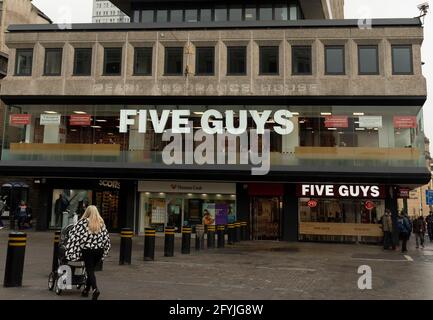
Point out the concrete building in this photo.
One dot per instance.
(350, 100)
(106, 12)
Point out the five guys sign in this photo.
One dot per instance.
(340, 191)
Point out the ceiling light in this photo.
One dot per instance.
(332, 129)
(101, 120)
(147, 193)
(358, 113)
(326, 113)
(110, 133)
(79, 112)
(161, 193)
(360, 129)
(73, 130)
(204, 194)
(51, 112)
(96, 127)
(189, 194)
(295, 113)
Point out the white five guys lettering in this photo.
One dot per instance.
(352, 191)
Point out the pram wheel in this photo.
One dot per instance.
(51, 281)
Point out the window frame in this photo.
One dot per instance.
(375, 46)
(165, 62)
(135, 73)
(17, 51)
(411, 72)
(104, 73)
(74, 73)
(294, 47)
(246, 61)
(343, 48)
(261, 73)
(213, 63)
(46, 60)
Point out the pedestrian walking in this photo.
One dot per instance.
(404, 229)
(429, 221)
(419, 229)
(89, 241)
(23, 214)
(387, 230)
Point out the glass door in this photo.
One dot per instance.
(174, 212)
(265, 218)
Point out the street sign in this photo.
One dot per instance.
(429, 197)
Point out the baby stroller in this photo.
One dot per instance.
(69, 274)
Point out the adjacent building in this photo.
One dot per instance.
(106, 12)
(354, 96)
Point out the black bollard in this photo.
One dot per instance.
(211, 237)
(125, 246)
(221, 236)
(237, 232)
(230, 233)
(169, 242)
(244, 231)
(56, 250)
(186, 240)
(149, 244)
(15, 259)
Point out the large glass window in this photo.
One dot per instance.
(301, 60)
(147, 16)
(112, 61)
(143, 61)
(269, 60)
(23, 62)
(53, 61)
(205, 63)
(368, 60)
(265, 13)
(162, 16)
(236, 60)
(220, 14)
(191, 15)
(83, 61)
(402, 59)
(176, 15)
(235, 14)
(281, 12)
(205, 15)
(294, 12)
(174, 61)
(250, 13)
(334, 60)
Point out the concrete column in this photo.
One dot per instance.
(386, 133)
(290, 216)
(51, 134)
(291, 141)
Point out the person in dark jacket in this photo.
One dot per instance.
(419, 229)
(404, 229)
(429, 221)
(23, 214)
(387, 230)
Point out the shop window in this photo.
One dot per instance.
(174, 61)
(334, 60)
(191, 15)
(269, 60)
(301, 60)
(205, 63)
(53, 62)
(236, 61)
(83, 61)
(143, 61)
(235, 14)
(368, 60)
(147, 16)
(23, 62)
(112, 61)
(205, 15)
(402, 60)
(176, 16)
(220, 14)
(68, 206)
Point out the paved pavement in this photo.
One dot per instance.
(249, 270)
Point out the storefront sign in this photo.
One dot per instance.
(186, 187)
(340, 191)
(405, 122)
(113, 184)
(404, 193)
(50, 119)
(369, 205)
(370, 122)
(80, 120)
(312, 203)
(20, 119)
(336, 122)
(340, 229)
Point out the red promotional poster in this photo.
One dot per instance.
(80, 120)
(405, 122)
(20, 119)
(336, 122)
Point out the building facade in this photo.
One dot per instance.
(106, 12)
(341, 106)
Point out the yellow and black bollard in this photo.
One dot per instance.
(169, 242)
(230, 233)
(186, 240)
(237, 232)
(244, 236)
(199, 237)
(149, 244)
(211, 236)
(221, 235)
(56, 250)
(15, 259)
(125, 246)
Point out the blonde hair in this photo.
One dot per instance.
(95, 220)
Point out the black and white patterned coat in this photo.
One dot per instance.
(80, 238)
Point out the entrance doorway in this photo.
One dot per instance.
(174, 212)
(265, 218)
(108, 204)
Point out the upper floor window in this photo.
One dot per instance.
(147, 16)
(206, 15)
(235, 13)
(402, 62)
(53, 62)
(112, 61)
(143, 61)
(24, 62)
(334, 60)
(250, 13)
(269, 60)
(236, 60)
(368, 60)
(205, 61)
(220, 14)
(191, 15)
(265, 13)
(281, 12)
(83, 61)
(174, 61)
(301, 60)
(161, 16)
(176, 15)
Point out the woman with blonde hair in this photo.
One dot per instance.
(89, 241)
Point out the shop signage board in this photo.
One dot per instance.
(370, 122)
(20, 119)
(340, 229)
(429, 197)
(80, 120)
(336, 122)
(340, 191)
(404, 193)
(186, 187)
(405, 122)
(112, 184)
(50, 119)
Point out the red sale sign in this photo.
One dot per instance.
(336, 122)
(80, 120)
(405, 122)
(20, 119)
